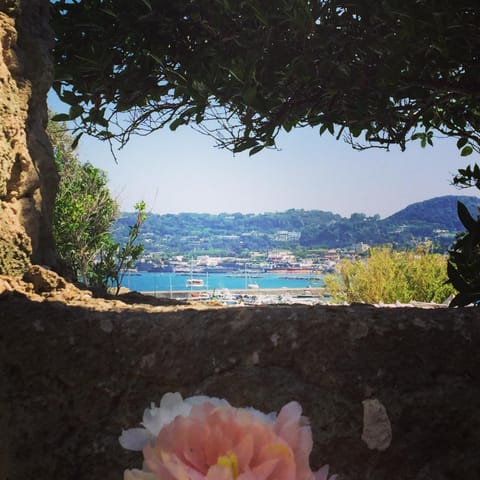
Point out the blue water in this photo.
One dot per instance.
(159, 281)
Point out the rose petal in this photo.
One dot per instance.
(218, 473)
(322, 474)
(135, 439)
(138, 475)
(199, 399)
(171, 400)
(265, 417)
(171, 406)
(263, 470)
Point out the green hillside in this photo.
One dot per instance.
(440, 212)
(234, 234)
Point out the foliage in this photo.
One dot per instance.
(387, 71)
(468, 177)
(83, 216)
(115, 259)
(389, 276)
(84, 209)
(464, 261)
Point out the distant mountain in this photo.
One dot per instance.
(435, 219)
(440, 212)
(236, 234)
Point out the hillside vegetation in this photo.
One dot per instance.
(435, 219)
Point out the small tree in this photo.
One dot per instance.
(83, 217)
(115, 259)
(389, 276)
(84, 208)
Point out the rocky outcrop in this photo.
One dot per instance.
(391, 393)
(28, 178)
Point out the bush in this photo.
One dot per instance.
(388, 276)
(83, 216)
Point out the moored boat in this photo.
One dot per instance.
(194, 282)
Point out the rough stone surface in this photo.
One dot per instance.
(74, 375)
(377, 429)
(28, 179)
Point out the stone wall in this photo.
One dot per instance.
(392, 393)
(28, 179)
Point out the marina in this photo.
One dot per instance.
(171, 281)
(228, 289)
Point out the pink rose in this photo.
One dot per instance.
(211, 440)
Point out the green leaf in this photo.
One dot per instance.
(61, 117)
(231, 72)
(467, 220)
(249, 95)
(76, 140)
(109, 12)
(105, 134)
(176, 123)
(189, 112)
(148, 4)
(75, 111)
(244, 145)
(456, 279)
(326, 126)
(462, 142)
(69, 97)
(102, 121)
(466, 151)
(255, 150)
(464, 299)
(355, 131)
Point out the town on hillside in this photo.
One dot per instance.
(292, 241)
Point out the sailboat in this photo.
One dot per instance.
(193, 282)
(250, 285)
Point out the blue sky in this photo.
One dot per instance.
(182, 171)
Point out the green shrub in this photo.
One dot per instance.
(388, 276)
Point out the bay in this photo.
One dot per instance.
(160, 281)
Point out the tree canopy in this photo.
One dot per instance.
(377, 72)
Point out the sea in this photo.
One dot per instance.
(164, 282)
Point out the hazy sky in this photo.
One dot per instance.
(182, 171)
